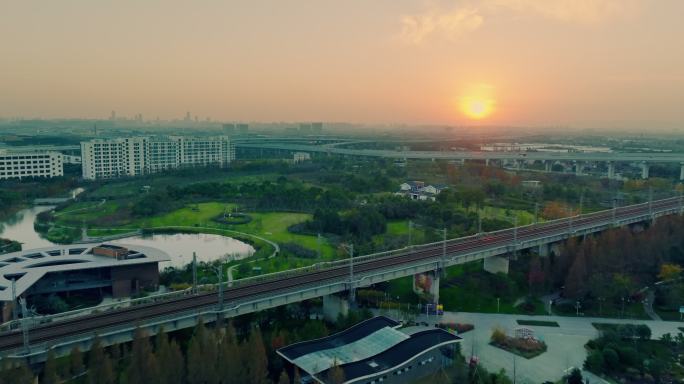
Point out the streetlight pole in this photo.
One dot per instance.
(536, 213)
(25, 325)
(577, 307)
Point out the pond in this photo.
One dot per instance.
(19, 227)
(180, 247)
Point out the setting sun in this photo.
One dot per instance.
(477, 102)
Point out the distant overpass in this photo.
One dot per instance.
(577, 159)
(181, 310)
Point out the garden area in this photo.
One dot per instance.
(625, 353)
(523, 344)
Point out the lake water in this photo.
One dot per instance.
(19, 227)
(180, 247)
(208, 247)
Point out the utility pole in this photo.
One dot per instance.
(220, 282)
(194, 272)
(444, 240)
(350, 249)
(410, 228)
(650, 202)
(318, 245)
(515, 235)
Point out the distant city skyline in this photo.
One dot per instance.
(603, 64)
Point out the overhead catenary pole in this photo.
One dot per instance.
(410, 228)
(194, 272)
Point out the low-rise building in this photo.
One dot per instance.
(116, 270)
(373, 351)
(300, 157)
(20, 165)
(418, 190)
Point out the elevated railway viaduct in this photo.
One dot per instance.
(244, 296)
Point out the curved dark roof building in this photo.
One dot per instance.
(373, 351)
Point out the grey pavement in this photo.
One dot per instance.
(565, 343)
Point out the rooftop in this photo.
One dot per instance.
(368, 348)
(28, 266)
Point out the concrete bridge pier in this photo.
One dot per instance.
(579, 167)
(548, 166)
(611, 170)
(333, 306)
(544, 250)
(681, 171)
(487, 163)
(645, 170)
(496, 264)
(427, 283)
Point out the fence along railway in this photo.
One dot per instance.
(259, 293)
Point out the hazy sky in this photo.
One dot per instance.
(582, 63)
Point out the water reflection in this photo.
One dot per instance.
(180, 247)
(19, 227)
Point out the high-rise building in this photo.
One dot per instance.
(19, 165)
(242, 128)
(135, 156)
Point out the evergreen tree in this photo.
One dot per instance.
(230, 368)
(143, 368)
(336, 374)
(100, 370)
(50, 375)
(257, 361)
(170, 360)
(284, 378)
(76, 362)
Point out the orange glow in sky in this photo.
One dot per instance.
(477, 102)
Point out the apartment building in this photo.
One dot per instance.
(135, 156)
(19, 165)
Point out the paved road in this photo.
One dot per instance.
(565, 343)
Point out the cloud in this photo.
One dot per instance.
(574, 11)
(452, 22)
(417, 28)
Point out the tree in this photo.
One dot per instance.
(284, 378)
(169, 359)
(498, 335)
(669, 272)
(575, 377)
(336, 374)
(594, 362)
(50, 375)
(100, 370)
(229, 361)
(611, 359)
(257, 364)
(76, 362)
(143, 368)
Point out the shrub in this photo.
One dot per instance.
(498, 336)
(594, 362)
(611, 359)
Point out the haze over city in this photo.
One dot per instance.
(605, 64)
(350, 192)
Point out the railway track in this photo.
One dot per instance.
(97, 322)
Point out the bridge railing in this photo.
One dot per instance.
(335, 264)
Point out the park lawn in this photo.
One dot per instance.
(91, 213)
(524, 217)
(274, 225)
(199, 214)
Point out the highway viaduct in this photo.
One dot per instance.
(575, 160)
(184, 309)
